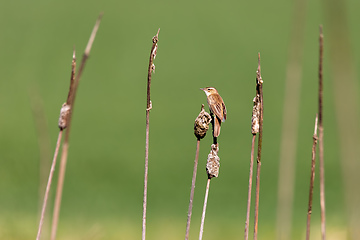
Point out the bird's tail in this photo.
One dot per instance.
(217, 126)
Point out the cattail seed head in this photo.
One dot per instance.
(255, 115)
(64, 116)
(202, 123)
(213, 162)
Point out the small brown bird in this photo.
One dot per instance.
(217, 107)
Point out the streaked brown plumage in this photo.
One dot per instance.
(217, 107)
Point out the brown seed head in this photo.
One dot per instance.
(202, 123)
(64, 116)
(213, 162)
(255, 119)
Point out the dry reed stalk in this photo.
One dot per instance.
(246, 235)
(259, 92)
(212, 169)
(192, 190)
(312, 178)
(321, 137)
(59, 189)
(255, 121)
(63, 123)
(204, 209)
(48, 186)
(70, 106)
(63, 120)
(200, 128)
(151, 69)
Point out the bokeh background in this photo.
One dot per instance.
(201, 43)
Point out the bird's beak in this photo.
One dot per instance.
(202, 89)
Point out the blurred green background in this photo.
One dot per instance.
(201, 43)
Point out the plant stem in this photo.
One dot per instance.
(257, 195)
(259, 92)
(148, 108)
(145, 176)
(64, 152)
(70, 101)
(321, 139)
(204, 209)
(192, 190)
(59, 190)
(47, 191)
(85, 56)
(257, 189)
(246, 237)
(312, 178)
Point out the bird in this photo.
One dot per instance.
(217, 107)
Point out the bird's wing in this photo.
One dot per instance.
(216, 107)
(224, 111)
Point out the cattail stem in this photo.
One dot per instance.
(257, 190)
(212, 169)
(204, 209)
(312, 178)
(64, 122)
(255, 127)
(259, 92)
(192, 190)
(59, 190)
(145, 175)
(148, 108)
(65, 148)
(321, 138)
(201, 126)
(246, 237)
(47, 191)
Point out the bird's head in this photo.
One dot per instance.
(209, 90)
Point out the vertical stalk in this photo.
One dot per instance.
(312, 178)
(259, 92)
(70, 103)
(321, 139)
(246, 237)
(63, 123)
(257, 189)
(148, 108)
(47, 191)
(255, 127)
(212, 169)
(204, 209)
(146, 175)
(192, 190)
